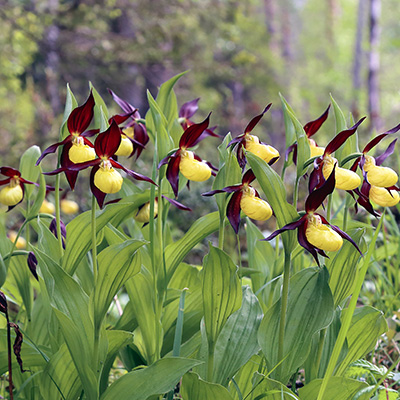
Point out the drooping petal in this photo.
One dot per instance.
(5, 181)
(228, 189)
(17, 344)
(288, 227)
(389, 151)
(316, 198)
(233, 210)
(290, 149)
(80, 118)
(107, 143)
(371, 144)
(251, 125)
(53, 148)
(341, 137)
(248, 177)
(131, 173)
(128, 108)
(32, 264)
(191, 134)
(177, 204)
(140, 135)
(312, 127)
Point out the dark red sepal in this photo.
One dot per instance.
(248, 177)
(371, 144)
(120, 119)
(389, 151)
(233, 210)
(122, 103)
(250, 126)
(288, 227)
(191, 134)
(80, 117)
(312, 127)
(8, 171)
(66, 162)
(290, 149)
(100, 196)
(189, 108)
(228, 189)
(172, 173)
(140, 134)
(341, 137)
(107, 143)
(316, 198)
(5, 181)
(131, 173)
(90, 133)
(32, 264)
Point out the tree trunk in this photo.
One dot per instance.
(358, 58)
(373, 66)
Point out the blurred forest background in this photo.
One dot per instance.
(240, 55)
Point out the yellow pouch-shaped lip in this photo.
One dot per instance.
(108, 180)
(264, 151)
(143, 214)
(79, 153)
(382, 197)
(69, 206)
(344, 178)
(11, 195)
(193, 169)
(254, 207)
(322, 236)
(47, 207)
(125, 148)
(315, 151)
(382, 176)
(21, 242)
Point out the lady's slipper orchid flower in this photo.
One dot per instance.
(324, 165)
(187, 111)
(310, 128)
(252, 143)
(76, 148)
(104, 178)
(20, 242)
(13, 193)
(314, 232)
(134, 132)
(244, 198)
(189, 164)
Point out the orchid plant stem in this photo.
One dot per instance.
(348, 315)
(58, 214)
(221, 232)
(295, 192)
(345, 215)
(94, 240)
(322, 336)
(329, 208)
(284, 301)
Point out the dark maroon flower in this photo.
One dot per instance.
(76, 148)
(13, 193)
(245, 198)
(252, 143)
(103, 177)
(32, 264)
(134, 129)
(314, 232)
(189, 164)
(310, 128)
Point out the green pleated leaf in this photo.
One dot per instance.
(70, 104)
(237, 341)
(194, 388)
(222, 293)
(290, 134)
(309, 309)
(340, 119)
(60, 378)
(338, 389)
(303, 147)
(367, 325)
(141, 293)
(79, 239)
(176, 252)
(159, 378)
(275, 193)
(47, 242)
(40, 196)
(116, 264)
(28, 168)
(266, 388)
(244, 378)
(344, 266)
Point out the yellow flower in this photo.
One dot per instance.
(379, 176)
(81, 152)
(47, 207)
(264, 151)
(193, 169)
(107, 179)
(383, 197)
(322, 236)
(143, 215)
(315, 151)
(125, 148)
(129, 131)
(344, 178)
(11, 194)
(69, 206)
(21, 242)
(253, 206)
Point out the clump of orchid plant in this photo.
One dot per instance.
(314, 232)
(252, 143)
